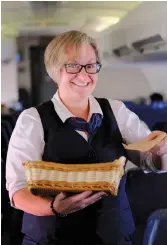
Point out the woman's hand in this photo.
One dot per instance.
(161, 149)
(65, 205)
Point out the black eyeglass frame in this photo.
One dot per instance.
(98, 67)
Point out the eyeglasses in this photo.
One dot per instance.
(89, 68)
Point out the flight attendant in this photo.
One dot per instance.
(74, 127)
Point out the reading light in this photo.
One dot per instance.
(105, 22)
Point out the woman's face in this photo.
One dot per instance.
(80, 85)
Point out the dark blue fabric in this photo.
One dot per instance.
(124, 216)
(82, 125)
(98, 224)
(29, 241)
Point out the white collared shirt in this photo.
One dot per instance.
(27, 140)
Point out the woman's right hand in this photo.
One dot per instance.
(64, 204)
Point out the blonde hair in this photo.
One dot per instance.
(56, 51)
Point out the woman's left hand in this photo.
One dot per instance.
(161, 149)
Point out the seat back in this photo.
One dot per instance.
(146, 193)
(156, 230)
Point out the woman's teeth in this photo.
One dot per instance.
(81, 84)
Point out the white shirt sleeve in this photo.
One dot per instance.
(133, 129)
(26, 143)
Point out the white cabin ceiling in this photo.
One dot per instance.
(44, 17)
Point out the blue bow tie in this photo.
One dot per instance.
(82, 125)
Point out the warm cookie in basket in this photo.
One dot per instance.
(48, 178)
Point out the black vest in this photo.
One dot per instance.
(108, 221)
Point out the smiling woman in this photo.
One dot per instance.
(73, 61)
(75, 128)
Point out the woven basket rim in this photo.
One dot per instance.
(116, 166)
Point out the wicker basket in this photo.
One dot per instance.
(48, 178)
